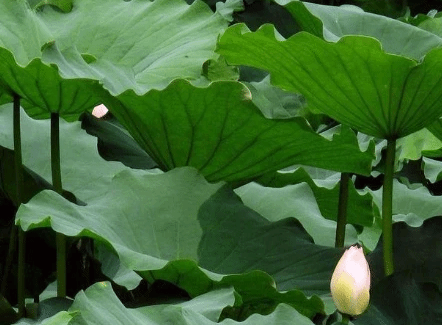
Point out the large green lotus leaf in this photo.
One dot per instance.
(44, 90)
(118, 59)
(25, 44)
(295, 201)
(156, 41)
(333, 22)
(88, 176)
(256, 288)
(92, 307)
(360, 209)
(164, 234)
(219, 131)
(354, 80)
(22, 32)
(167, 239)
(237, 239)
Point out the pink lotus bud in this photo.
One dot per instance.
(99, 111)
(350, 283)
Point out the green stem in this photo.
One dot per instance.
(342, 210)
(19, 191)
(21, 272)
(387, 208)
(345, 319)
(56, 182)
(9, 258)
(61, 265)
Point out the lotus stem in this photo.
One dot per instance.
(19, 194)
(9, 258)
(56, 182)
(345, 319)
(387, 208)
(342, 210)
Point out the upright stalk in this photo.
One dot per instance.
(342, 210)
(9, 259)
(345, 319)
(387, 208)
(19, 193)
(56, 182)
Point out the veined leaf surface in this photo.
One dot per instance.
(219, 131)
(332, 23)
(354, 80)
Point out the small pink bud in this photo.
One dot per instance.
(99, 111)
(350, 283)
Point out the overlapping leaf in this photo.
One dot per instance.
(154, 41)
(61, 318)
(51, 60)
(84, 172)
(274, 102)
(332, 22)
(360, 210)
(417, 144)
(92, 307)
(353, 80)
(24, 40)
(115, 144)
(43, 89)
(168, 247)
(412, 205)
(219, 131)
(237, 239)
(89, 177)
(122, 217)
(430, 22)
(297, 195)
(297, 201)
(22, 32)
(432, 169)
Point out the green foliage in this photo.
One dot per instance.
(187, 126)
(353, 80)
(209, 193)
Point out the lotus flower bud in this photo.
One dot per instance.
(350, 283)
(99, 111)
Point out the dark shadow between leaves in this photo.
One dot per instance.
(237, 239)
